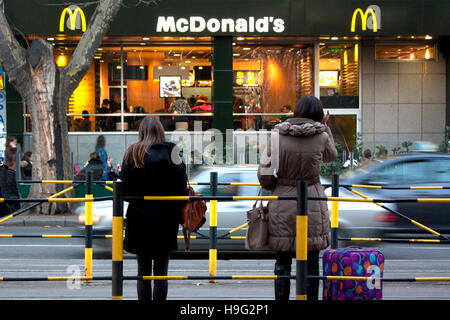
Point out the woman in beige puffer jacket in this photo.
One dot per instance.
(305, 142)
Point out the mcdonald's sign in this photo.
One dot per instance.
(76, 20)
(373, 21)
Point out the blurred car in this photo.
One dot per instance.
(231, 214)
(356, 219)
(404, 171)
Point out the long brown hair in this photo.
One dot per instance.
(150, 131)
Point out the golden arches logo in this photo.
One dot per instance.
(364, 17)
(73, 18)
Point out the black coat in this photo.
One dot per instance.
(94, 165)
(8, 190)
(152, 226)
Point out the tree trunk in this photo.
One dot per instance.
(41, 99)
(46, 90)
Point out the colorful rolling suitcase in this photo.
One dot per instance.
(353, 262)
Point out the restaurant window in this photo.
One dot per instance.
(405, 52)
(176, 69)
(268, 79)
(339, 75)
(151, 73)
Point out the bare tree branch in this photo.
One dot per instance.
(12, 54)
(135, 3)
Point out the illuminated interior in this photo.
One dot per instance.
(270, 74)
(406, 52)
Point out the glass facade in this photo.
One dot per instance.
(268, 81)
(133, 77)
(339, 75)
(172, 78)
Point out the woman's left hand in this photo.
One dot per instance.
(326, 117)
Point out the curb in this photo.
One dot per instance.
(40, 221)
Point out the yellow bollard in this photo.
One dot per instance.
(117, 243)
(88, 239)
(301, 243)
(213, 228)
(213, 246)
(88, 227)
(334, 212)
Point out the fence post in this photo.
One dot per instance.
(117, 242)
(334, 211)
(88, 227)
(213, 228)
(301, 240)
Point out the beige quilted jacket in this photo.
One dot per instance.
(303, 146)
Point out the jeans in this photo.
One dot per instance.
(283, 267)
(160, 268)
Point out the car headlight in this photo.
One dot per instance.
(95, 218)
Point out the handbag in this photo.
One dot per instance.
(193, 215)
(258, 227)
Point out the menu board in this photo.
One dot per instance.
(328, 78)
(189, 82)
(246, 78)
(169, 86)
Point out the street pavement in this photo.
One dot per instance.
(38, 257)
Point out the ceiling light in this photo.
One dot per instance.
(193, 57)
(240, 38)
(176, 54)
(334, 38)
(187, 61)
(142, 44)
(246, 49)
(145, 38)
(236, 54)
(428, 37)
(142, 67)
(50, 39)
(100, 49)
(200, 68)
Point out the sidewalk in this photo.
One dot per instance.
(58, 220)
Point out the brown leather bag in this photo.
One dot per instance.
(257, 231)
(193, 216)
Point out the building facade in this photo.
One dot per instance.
(379, 67)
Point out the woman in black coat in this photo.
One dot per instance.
(152, 167)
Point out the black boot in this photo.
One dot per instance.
(282, 287)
